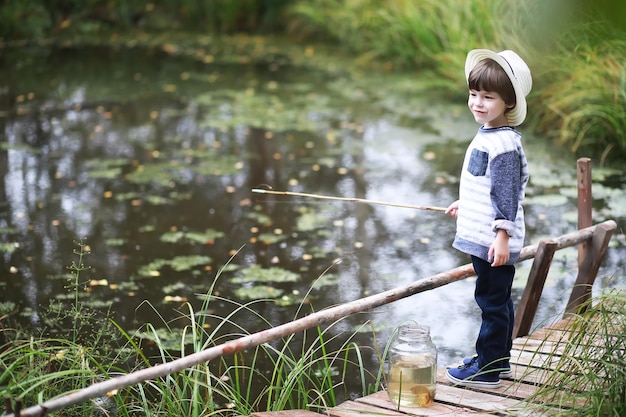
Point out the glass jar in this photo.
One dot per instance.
(412, 371)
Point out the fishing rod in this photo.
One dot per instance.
(348, 199)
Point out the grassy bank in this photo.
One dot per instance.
(579, 86)
(574, 49)
(309, 368)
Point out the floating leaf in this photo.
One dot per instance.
(549, 200)
(208, 236)
(105, 173)
(326, 280)
(257, 274)
(258, 292)
(9, 248)
(174, 299)
(312, 220)
(183, 263)
(167, 338)
(270, 238)
(172, 237)
(152, 269)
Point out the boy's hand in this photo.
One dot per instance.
(499, 250)
(453, 209)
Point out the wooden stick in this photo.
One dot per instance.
(349, 199)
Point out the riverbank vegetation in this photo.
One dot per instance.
(587, 379)
(574, 48)
(308, 371)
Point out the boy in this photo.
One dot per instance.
(490, 218)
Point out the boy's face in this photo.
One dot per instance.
(488, 108)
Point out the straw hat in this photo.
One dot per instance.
(518, 73)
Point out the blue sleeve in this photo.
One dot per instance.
(505, 185)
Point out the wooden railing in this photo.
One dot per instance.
(593, 240)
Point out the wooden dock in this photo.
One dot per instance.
(533, 358)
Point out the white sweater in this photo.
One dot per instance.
(492, 187)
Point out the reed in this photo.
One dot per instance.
(587, 380)
(308, 370)
(584, 94)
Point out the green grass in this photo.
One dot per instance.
(588, 375)
(578, 96)
(308, 369)
(584, 96)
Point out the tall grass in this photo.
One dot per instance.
(584, 93)
(587, 377)
(306, 370)
(578, 96)
(36, 366)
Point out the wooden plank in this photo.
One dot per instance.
(363, 407)
(287, 413)
(511, 389)
(527, 306)
(473, 400)
(381, 401)
(535, 359)
(531, 377)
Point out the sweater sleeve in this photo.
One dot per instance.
(505, 185)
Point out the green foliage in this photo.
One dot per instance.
(308, 370)
(575, 51)
(36, 368)
(579, 87)
(584, 92)
(19, 18)
(588, 376)
(39, 18)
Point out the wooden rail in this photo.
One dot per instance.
(593, 240)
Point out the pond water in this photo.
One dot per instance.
(149, 157)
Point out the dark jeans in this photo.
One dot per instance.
(493, 296)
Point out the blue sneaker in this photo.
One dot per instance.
(505, 371)
(471, 376)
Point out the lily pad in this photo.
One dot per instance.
(547, 200)
(270, 238)
(258, 292)
(617, 205)
(184, 263)
(326, 280)
(167, 339)
(179, 263)
(105, 173)
(9, 247)
(257, 274)
(208, 236)
(312, 220)
(152, 269)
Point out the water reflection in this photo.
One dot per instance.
(122, 147)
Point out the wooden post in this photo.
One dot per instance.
(588, 269)
(527, 307)
(583, 166)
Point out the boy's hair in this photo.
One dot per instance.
(488, 75)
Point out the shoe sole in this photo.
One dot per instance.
(503, 375)
(506, 374)
(472, 383)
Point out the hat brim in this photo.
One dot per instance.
(517, 115)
